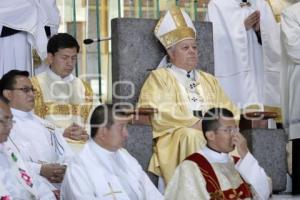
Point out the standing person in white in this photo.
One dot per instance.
(25, 24)
(39, 142)
(290, 27)
(16, 179)
(247, 52)
(104, 170)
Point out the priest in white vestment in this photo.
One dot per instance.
(104, 170)
(25, 25)
(62, 98)
(291, 84)
(211, 173)
(247, 52)
(38, 141)
(17, 180)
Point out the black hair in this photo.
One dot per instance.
(8, 81)
(210, 120)
(104, 116)
(61, 41)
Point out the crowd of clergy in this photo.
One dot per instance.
(58, 141)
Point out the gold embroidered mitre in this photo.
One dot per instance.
(174, 27)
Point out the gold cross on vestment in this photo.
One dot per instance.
(112, 192)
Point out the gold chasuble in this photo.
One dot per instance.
(173, 138)
(62, 102)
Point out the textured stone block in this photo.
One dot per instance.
(139, 144)
(269, 147)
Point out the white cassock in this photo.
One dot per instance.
(104, 175)
(17, 180)
(248, 72)
(189, 183)
(38, 141)
(29, 17)
(291, 70)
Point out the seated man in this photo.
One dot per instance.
(103, 169)
(211, 173)
(62, 98)
(16, 179)
(177, 90)
(38, 141)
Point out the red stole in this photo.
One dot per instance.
(212, 183)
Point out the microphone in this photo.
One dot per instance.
(90, 41)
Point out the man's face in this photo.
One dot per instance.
(222, 140)
(116, 135)
(63, 61)
(21, 97)
(5, 122)
(184, 54)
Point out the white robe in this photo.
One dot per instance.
(38, 141)
(291, 70)
(30, 17)
(12, 182)
(189, 183)
(248, 72)
(96, 172)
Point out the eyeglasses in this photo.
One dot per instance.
(26, 90)
(229, 129)
(8, 122)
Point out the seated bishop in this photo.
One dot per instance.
(38, 141)
(17, 180)
(103, 169)
(211, 173)
(178, 90)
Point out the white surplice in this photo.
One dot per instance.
(248, 72)
(11, 179)
(101, 174)
(291, 70)
(38, 141)
(189, 183)
(30, 17)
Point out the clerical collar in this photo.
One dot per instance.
(212, 149)
(21, 114)
(101, 150)
(54, 76)
(214, 156)
(244, 3)
(182, 72)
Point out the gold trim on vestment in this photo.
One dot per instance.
(173, 37)
(43, 109)
(38, 98)
(178, 17)
(66, 109)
